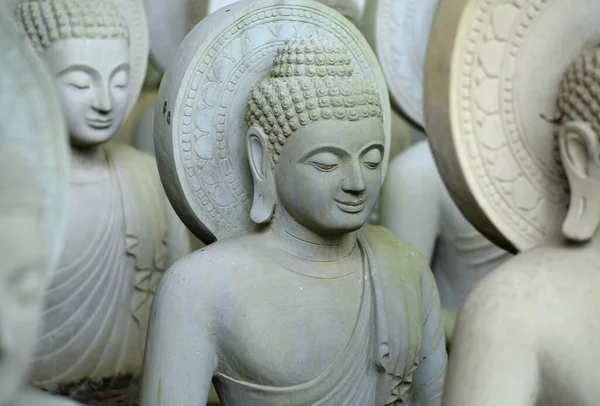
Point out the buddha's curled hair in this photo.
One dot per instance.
(312, 79)
(48, 21)
(579, 92)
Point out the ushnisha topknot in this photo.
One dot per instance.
(48, 21)
(311, 56)
(311, 79)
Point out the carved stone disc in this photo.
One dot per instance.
(135, 14)
(492, 74)
(32, 127)
(171, 20)
(199, 117)
(399, 30)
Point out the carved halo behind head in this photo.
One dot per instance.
(312, 79)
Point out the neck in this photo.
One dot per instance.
(87, 158)
(88, 165)
(297, 240)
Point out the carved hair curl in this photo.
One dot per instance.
(311, 80)
(48, 21)
(579, 92)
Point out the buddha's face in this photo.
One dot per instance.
(22, 284)
(329, 174)
(92, 77)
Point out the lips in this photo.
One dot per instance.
(99, 124)
(351, 206)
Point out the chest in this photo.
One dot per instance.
(95, 217)
(289, 330)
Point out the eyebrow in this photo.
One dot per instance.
(370, 146)
(83, 68)
(323, 148)
(124, 66)
(92, 71)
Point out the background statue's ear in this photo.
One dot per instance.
(263, 205)
(579, 148)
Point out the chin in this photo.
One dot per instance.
(345, 224)
(92, 138)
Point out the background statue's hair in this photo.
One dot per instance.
(579, 92)
(311, 80)
(48, 21)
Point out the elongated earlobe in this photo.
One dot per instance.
(579, 147)
(263, 204)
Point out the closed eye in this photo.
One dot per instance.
(372, 165)
(79, 86)
(323, 167)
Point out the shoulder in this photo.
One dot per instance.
(122, 151)
(404, 253)
(133, 162)
(136, 168)
(525, 289)
(204, 272)
(398, 258)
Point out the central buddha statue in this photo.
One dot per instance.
(118, 227)
(314, 307)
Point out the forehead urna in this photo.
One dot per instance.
(489, 110)
(200, 127)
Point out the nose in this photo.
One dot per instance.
(102, 102)
(354, 181)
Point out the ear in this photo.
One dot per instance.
(579, 150)
(263, 205)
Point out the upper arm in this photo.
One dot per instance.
(429, 377)
(180, 356)
(409, 203)
(494, 354)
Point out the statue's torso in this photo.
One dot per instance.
(277, 307)
(87, 320)
(331, 324)
(94, 324)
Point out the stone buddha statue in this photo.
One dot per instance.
(528, 334)
(33, 179)
(118, 227)
(313, 307)
(514, 127)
